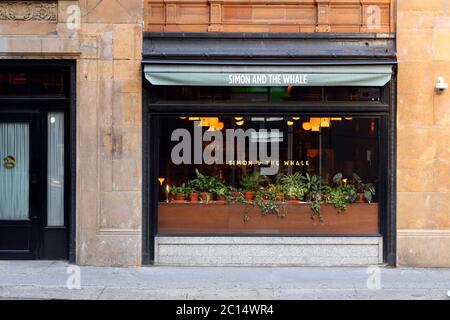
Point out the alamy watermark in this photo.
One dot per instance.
(228, 147)
(374, 278)
(73, 281)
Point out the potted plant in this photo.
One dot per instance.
(192, 193)
(294, 187)
(223, 193)
(278, 190)
(235, 193)
(339, 194)
(205, 184)
(365, 191)
(250, 184)
(179, 193)
(314, 194)
(268, 202)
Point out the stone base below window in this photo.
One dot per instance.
(268, 251)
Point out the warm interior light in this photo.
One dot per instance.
(203, 122)
(240, 123)
(208, 122)
(336, 119)
(315, 128)
(194, 118)
(296, 118)
(315, 122)
(372, 126)
(325, 122)
(348, 118)
(220, 125)
(183, 118)
(161, 181)
(306, 126)
(290, 123)
(238, 118)
(213, 121)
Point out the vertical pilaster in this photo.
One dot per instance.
(323, 9)
(215, 16)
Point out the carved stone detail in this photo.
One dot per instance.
(29, 10)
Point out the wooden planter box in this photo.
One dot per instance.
(199, 218)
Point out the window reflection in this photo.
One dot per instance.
(266, 94)
(314, 145)
(31, 83)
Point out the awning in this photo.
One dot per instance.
(269, 76)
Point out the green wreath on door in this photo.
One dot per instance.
(9, 162)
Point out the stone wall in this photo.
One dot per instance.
(108, 51)
(269, 251)
(423, 46)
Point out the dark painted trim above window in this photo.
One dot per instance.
(268, 46)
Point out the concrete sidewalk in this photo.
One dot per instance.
(48, 280)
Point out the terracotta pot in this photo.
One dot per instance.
(180, 197)
(249, 196)
(193, 196)
(280, 196)
(235, 195)
(221, 200)
(206, 196)
(360, 198)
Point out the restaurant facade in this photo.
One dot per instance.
(225, 132)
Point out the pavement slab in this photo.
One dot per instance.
(49, 280)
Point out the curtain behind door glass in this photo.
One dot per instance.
(14, 181)
(55, 170)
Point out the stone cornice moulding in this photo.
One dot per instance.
(46, 11)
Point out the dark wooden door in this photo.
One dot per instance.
(21, 211)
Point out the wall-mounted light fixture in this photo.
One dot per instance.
(441, 85)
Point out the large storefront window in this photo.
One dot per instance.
(243, 173)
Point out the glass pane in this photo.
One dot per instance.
(266, 94)
(55, 167)
(311, 146)
(353, 94)
(31, 83)
(14, 171)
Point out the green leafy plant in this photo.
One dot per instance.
(339, 194)
(315, 189)
(367, 189)
(268, 202)
(247, 205)
(223, 191)
(204, 183)
(294, 186)
(251, 182)
(179, 190)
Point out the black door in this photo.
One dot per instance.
(37, 159)
(21, 211)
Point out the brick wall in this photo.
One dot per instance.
(268, 15)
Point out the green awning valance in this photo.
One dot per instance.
(267, 76)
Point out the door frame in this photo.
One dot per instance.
(44, 104)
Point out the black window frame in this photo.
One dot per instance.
(385, 110)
